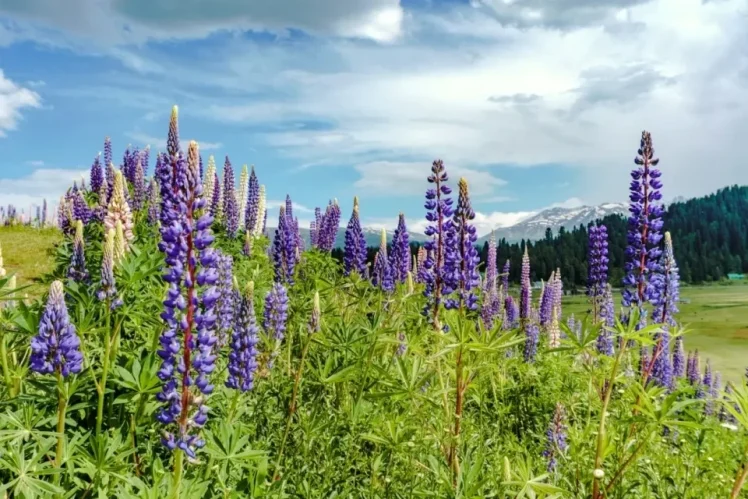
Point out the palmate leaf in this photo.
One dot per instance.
(28, 476)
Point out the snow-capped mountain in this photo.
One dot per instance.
(533, 228)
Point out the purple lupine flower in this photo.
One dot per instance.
(145, 158)
(153, 202)
(669, 285)
(230, 208)
(645, 224)
(597, 272)
(111, 174)
(138, 185)
(511, 313)
(216, 208)
(556, 438)
(492, 271)
(327, 230)
(608, 320)
(276, 312)
(77, 270)
(44, 212)
(705, 387)
(400, 255)
(202, 172)
(126, 164)
(382, 276)
(354, 256)
(108, 158)
(438, 213)
(693, 371)
(81, 211)
(186, 346)
(253, 201)
(662, 369)
(505, 276)
(244, 338)
(108, 286)
(525, 296)
(558, 292)
(284, 249)
(225, 304)
(532, 336)
(97, 175)
(314, 227)
(679, 358)
(264, 221)
(56, 347)
(546, 301)
(491, 306)
(461, 257)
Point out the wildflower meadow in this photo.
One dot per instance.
(182, 351)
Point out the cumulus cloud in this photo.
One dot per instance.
(127, 22)
(272, 205)
(40, 184)
(14, 99)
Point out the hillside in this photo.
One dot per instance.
(710, 238)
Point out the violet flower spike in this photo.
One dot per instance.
(556, 438)
(276, 312)
(77, 270)
(354, 256)
(96, 177)
(461, 256)
(525, 297)
(645, 224)
(108, 286)
(230, 208)
(382, 275)
(186, 346)
(284, 249)
(400, 255)
(242, 364)
(253, 201)
(56, 347)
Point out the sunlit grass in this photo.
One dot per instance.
(27, 254)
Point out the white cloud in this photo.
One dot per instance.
(159, 144)
(466, 89)
(387, 178)
(40, 184)
(116, 22)
(13, 99)
(272, 205)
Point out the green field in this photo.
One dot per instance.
(716, 322)
(715, 317)
(27, 254)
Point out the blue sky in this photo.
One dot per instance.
(536, 103)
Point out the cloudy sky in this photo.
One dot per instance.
(536, 102)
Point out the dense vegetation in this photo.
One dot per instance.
(710, 239)
(167, 361)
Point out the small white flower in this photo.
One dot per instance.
(598, 473)
(729, 426)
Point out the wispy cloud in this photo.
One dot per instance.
(35, 163)
(159, 144)
(275, 205)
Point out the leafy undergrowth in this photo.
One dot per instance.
(368, 422)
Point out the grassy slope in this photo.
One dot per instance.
(716, 321)
(26, 253)
(716, 317)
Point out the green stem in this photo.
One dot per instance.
(234, 404)
(4, 360)
(740, 477)
(291, 408)
(601, 429)
(62, 403)
(177, 478)
(101, 387)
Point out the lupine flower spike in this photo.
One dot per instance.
(56, 347)
(354, 258)
(253, 201)
(645, 224)
(382, 275)
(230, 208)
(244, 338)
(119, 210)
(400, 255)
(556, 438)
(186, 346)
(461, 255)
(77, 270)
(108, 287)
